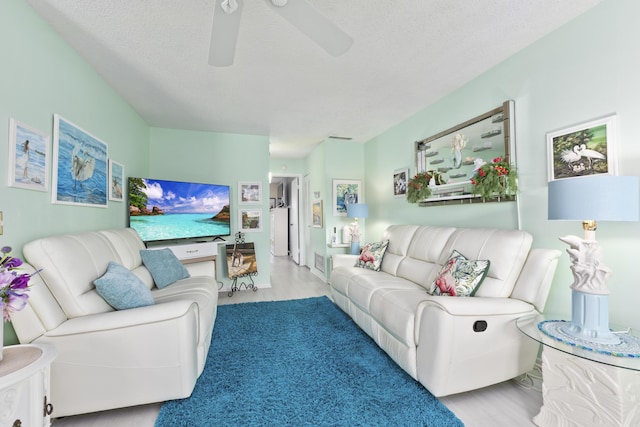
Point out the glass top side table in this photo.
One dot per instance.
(582, 387)
(529, 326)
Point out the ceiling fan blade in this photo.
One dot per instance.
(224, 34)
(314, 25)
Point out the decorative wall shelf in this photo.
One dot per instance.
(461, 149)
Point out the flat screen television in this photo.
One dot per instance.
(162, 210)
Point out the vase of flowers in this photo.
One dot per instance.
(419, 187)
(495, 180)
(13, 288)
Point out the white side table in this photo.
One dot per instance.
(24, 385)
(584, 388)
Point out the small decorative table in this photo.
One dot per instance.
(24, 385)
(584, 383)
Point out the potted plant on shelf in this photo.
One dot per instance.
(495, 180)
(419, 187)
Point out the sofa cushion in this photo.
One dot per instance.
(422, 262)
(459, 276)
(371, 255)
(506, 249)
(70, 263)
(399, 237)
(395, 310)
(164, 266)
(122, 289)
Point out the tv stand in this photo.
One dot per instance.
(192, 252)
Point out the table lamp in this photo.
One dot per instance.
(589, 199)
(356, 210)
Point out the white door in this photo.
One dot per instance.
(306, 209)
(294, 221)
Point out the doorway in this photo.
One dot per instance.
(285, 192)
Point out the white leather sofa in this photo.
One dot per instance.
(111, 358)
(449, 344)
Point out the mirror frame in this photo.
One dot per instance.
(479, 135)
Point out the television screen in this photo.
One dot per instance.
(172, 210)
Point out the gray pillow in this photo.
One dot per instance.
(164, 266)
(122, 289)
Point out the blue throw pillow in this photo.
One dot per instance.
(122, 289)
(164, 266)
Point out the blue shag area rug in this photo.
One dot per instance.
(300, 363)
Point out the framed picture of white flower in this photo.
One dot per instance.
(400, 180)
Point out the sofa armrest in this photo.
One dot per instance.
(478, 306)
(124, 358)
(343, 260)
(123, 318)
(458, 338)
(534, 282)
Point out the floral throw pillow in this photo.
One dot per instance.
(371, 255)
(459, 276)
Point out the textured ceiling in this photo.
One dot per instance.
(406, 55)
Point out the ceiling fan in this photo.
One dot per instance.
(226, 24)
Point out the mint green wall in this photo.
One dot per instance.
(218, 158)
(315, 167)
(333, 160)
(585, 70)
(343, 160)
(280, 166)
(41, 75)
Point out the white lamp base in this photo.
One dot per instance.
(590, 318)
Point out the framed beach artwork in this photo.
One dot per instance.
(249, 192)
(241, 259)
(400, 180)
(116, 181)
(345, 191)
(316, 214)
(80, 172)
(585, 149)
(28, 157)
(250, 220)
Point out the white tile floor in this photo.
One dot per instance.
(503, 405)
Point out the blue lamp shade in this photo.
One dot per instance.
(595, 197)
(357, 210)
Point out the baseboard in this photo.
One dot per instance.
(319, 274)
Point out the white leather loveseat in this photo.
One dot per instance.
(449, 344)
(111, 358)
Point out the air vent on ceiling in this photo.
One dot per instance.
(344, 138)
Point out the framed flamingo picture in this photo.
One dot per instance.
(585, 149)
(80, 171)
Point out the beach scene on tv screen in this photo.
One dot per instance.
(170, 210)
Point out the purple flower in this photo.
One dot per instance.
(13, 286)
(5, 280)
(10, 263)
(21, 281)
